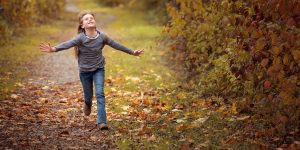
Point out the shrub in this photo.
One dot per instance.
(240, 49)
(17, 15)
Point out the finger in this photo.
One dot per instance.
(41, 47)
(42, 44)
(44, 50)
(44, 47)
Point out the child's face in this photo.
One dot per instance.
(88, 21)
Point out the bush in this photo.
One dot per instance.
(243, 50)
(17, 15)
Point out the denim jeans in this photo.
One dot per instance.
(97, 78)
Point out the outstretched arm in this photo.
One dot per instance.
(62, 46)
(120, 47)
(47, 48)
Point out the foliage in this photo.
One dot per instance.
(156, 9)
(113, 3)
(236, 48)
(17, 15)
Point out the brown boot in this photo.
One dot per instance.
(102, 126)
(86, 109)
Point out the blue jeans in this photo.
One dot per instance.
(87, 79)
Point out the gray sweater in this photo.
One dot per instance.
(90, 55)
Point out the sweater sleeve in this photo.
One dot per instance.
(75, 41)
(116, 45)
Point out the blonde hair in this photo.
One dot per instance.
(79, 28)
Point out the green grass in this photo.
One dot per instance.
(137, 34)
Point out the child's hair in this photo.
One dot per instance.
(79, 29)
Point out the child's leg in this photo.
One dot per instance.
(99, 90)
(87, 84)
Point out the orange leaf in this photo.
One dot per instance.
(265, 62)
(144, 130)
(267, 84)
(181, 127)
(147, 102)
(123, 130)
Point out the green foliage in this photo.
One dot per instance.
(241, 49)
(17, 15)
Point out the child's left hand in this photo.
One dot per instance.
(137, 52)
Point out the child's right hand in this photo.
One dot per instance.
(47, 48)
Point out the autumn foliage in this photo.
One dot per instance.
(155, 9)
(17, 15)
(247, 51)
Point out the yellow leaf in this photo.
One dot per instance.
(260, 44)
(277, 61)
(296, 54)
(275, 50)
(45, 87)
(274, 38)
(233, 108)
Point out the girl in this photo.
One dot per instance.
(88, 44)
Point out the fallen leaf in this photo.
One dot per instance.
(176, 110)
(233, 108)
(144, 130)
(180, 120)
(45, 87)
(181, 127)
(125, 107)
(64, 133)
(14, 96)
(243, 118)
(199, 121)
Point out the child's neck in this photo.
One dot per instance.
(91, 32)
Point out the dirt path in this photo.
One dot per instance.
(46, 110)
